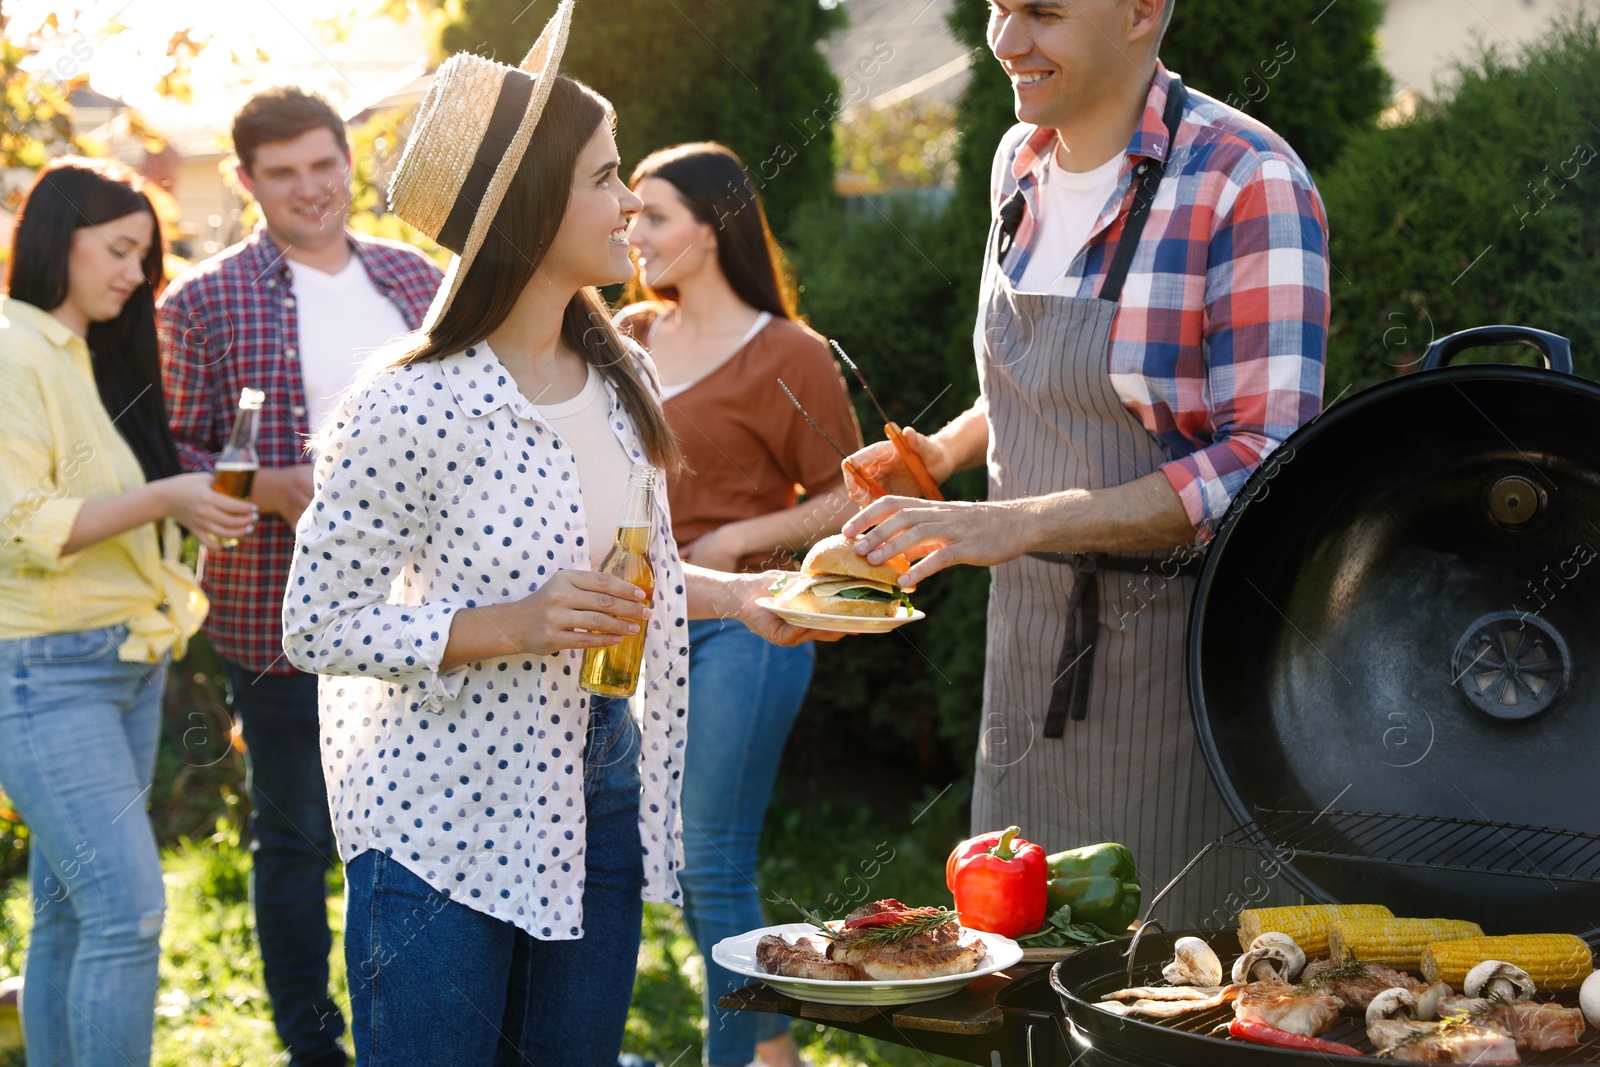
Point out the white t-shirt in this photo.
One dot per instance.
(584, 425)
(1069, 204)
(343, 319)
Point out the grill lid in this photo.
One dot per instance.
(1394, 650)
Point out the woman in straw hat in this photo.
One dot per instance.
(499, 826)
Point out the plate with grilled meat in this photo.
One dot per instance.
(881, 953)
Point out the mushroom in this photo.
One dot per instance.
(1428, 1002)
(1395, 1002)
(1193, 964)
(1272, 956)
(1498, 980)
(1589, 998)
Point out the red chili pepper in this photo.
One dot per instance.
(1001, 888)
(898, 913)
(1262, 1034)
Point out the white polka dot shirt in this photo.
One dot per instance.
(443, 489)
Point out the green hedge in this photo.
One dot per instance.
(1482, 210)
(910, 698)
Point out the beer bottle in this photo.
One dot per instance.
(613, 671)
(235, 472)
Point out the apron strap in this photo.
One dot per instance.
(1147, 176)
(1069, 689)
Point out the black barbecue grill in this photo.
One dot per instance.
(1394, 664)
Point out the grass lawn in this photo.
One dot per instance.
(213, 1007)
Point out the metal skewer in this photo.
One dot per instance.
(908, 455)
(868, 482)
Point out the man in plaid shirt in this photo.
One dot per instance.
(291, 310)
(1153, 323)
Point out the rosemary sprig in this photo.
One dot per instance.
(1350, 968)
(810, 916)
(920, 921)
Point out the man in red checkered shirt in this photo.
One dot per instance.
(291, 310)
(1152, 323)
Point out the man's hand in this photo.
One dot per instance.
(882, 462)
(284, 491)
(937, 534)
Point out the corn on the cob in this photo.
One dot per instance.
(1394, 943)
(1553, 961)
(1306, 923)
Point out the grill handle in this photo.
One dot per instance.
(1556, 350)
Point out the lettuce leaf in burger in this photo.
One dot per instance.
(834, 580)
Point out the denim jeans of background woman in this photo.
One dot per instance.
(434, 983)
(744, 694)
(78, 733)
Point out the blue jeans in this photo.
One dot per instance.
(434, 983)
(291, 851)
(744, 694)
(78, 732)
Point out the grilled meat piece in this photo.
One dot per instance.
(1308, 1012)
(1410, 1041)
(1166, 992)
(1161, 1008)
(930, 954)
(1357, 990)
(806, 958)
(1534, 1026)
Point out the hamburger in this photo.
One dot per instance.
(834, 580)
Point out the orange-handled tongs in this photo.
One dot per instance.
(868, 482)
(908, 455)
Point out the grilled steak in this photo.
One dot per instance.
(929, 954)
(1308, 1012)
(1534, 1026)
(806, 958)
(1357, 990)
(1417, 1042)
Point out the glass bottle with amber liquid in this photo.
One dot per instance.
(613, 671)
(235, 472)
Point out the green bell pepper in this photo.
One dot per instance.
(1100, 882)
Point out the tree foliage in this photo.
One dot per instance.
(1483, 209)
(747, 74)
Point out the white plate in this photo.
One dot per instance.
(738, 954)
(846, 624)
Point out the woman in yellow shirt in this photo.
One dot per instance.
(93, 606)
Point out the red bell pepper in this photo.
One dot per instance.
(1262, 1034)
(1000, 888)
(973, 846)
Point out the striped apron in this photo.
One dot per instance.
(1087, 734)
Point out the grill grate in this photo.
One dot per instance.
(1425, 841)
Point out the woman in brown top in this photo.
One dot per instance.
(719, 322)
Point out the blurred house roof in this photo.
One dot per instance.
(895, 50)
(1419, 38)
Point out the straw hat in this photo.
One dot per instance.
(468, 140)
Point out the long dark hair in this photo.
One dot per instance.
(69, 194)
(713, 184)
(523, 230)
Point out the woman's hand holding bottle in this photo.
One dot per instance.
(211, 515)
(577, 609)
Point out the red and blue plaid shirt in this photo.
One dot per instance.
(1220, 334)
(230, 323)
